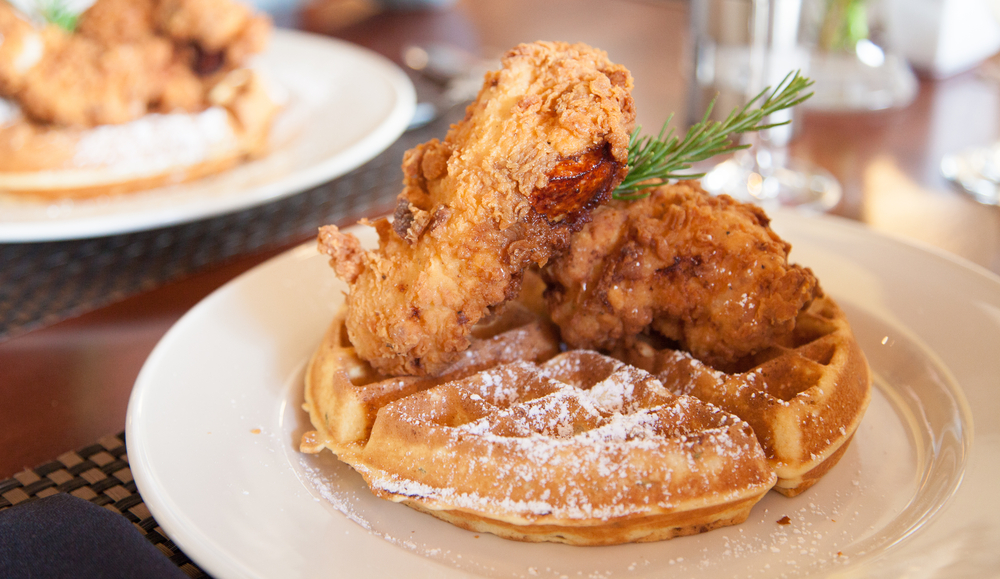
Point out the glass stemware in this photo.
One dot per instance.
(764, 173)
(976, 170)
(853, 58)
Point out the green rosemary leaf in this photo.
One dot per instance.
(62, 18)
(655, 160)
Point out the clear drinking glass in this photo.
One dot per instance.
(741, 47)
(976, 170)
(852, 58)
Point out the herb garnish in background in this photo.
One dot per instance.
(61, 13)
(58, 13)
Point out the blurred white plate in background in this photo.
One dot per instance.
(345, 105)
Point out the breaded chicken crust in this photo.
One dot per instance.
(706, 272)
(545, 142)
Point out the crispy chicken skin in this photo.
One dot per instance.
(706, 272)
(126, 58)
(545, 141)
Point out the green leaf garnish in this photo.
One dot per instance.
(61, 13)
(57, 13)
(653, 161)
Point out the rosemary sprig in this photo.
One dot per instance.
(58, 13)
(653, 161)
(62, 13)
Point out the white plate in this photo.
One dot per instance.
(344, 106)
(214, 420)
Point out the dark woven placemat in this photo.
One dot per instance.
(100, 474)
(43, 283)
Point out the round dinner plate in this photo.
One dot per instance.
(215, 418)
(342, 106)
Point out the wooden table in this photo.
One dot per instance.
(66, 385)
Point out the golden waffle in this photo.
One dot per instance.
(582, 449)
(343, 393)
(804, 398)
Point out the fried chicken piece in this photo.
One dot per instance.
(174, 85)
(111, 22)
(706, 272)
(127, 58)
(545, 141)
(21, 47)
(212, 25)
(80, 83)
(221, 34)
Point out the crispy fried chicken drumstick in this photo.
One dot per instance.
(706, 272)
(545, 142)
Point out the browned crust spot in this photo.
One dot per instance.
(578, 184)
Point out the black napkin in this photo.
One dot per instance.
(65, 536)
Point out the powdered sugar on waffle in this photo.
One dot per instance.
(613, 392)
(155, 141)
(747, 379)
(579, 444)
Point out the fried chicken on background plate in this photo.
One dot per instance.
(125, 59)
(705, 272)
(544, 143)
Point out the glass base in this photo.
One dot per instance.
(845, 82)
(976, 171)
(756, 178)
